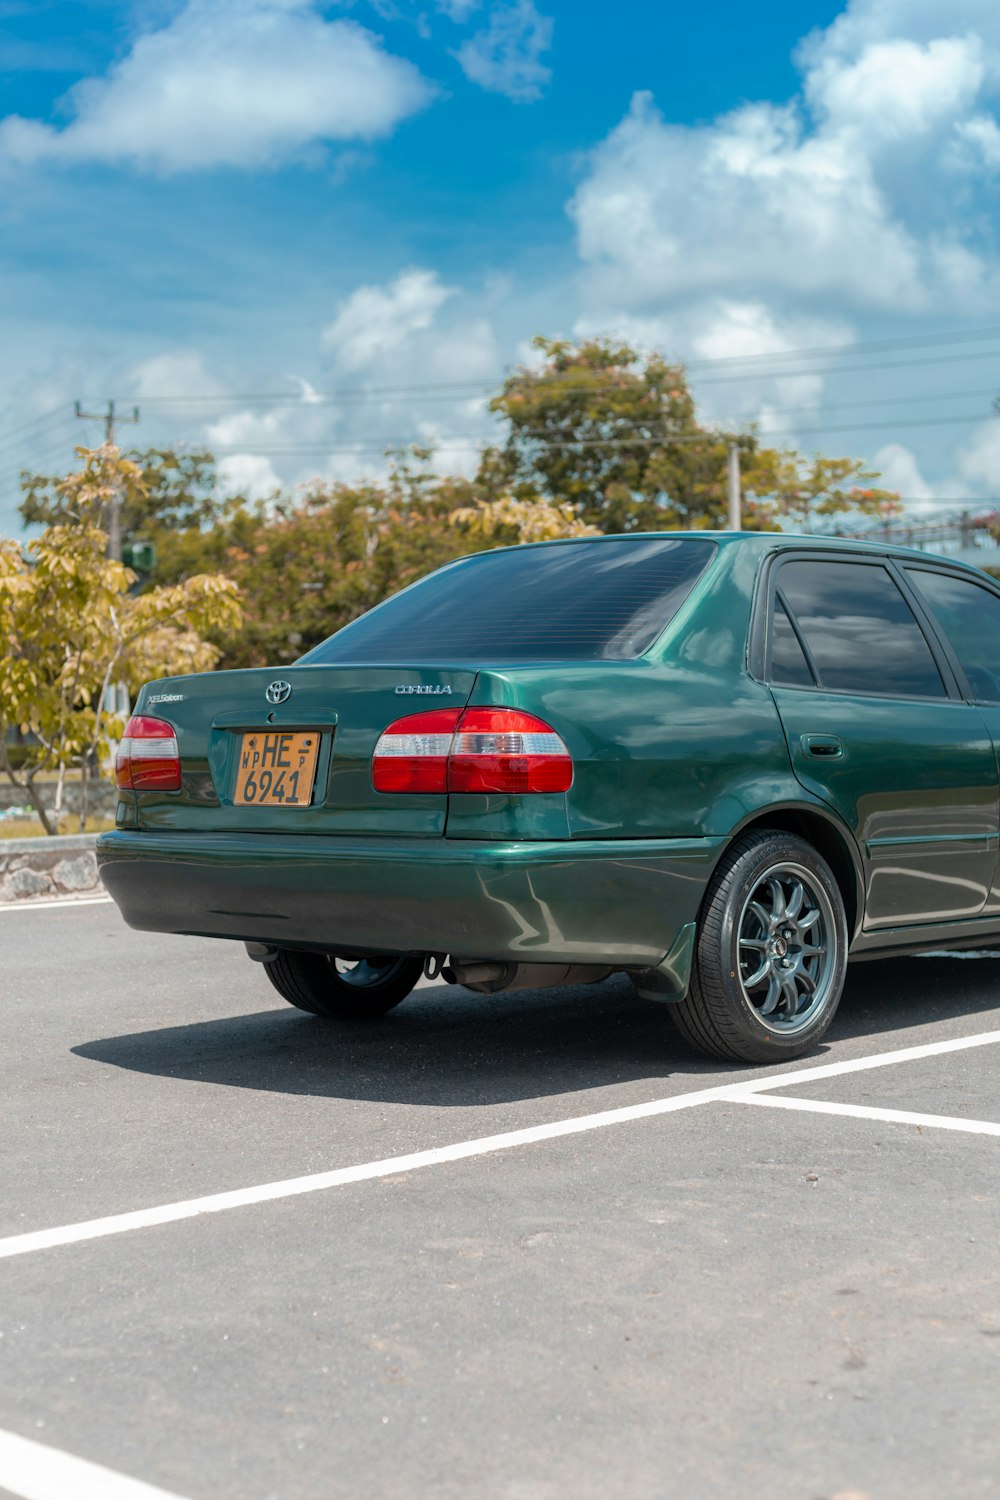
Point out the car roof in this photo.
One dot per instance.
(762, 541)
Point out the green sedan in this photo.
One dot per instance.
(719, 763)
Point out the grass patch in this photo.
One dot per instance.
(31, 828)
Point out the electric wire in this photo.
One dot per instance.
(450, 390)
(662, 440)
(825, 351)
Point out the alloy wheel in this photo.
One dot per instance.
(787, 948)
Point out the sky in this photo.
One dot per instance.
(301, 232)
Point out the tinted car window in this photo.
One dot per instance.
(861, 633)
(970, 617)
(569, 601)
(788, 662)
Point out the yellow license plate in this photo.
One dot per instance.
(276, 768)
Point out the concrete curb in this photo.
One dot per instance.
(61, 866)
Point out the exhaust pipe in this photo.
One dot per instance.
(488, 978)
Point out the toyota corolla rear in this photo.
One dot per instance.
(473, 772)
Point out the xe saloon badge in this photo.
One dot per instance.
(277, 692)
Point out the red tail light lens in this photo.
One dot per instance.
(503, 750)
(478, 750)
(412, 755)
(148, 758)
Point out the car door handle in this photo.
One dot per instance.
(826, 746)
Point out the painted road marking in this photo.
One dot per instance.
(872, 1112)
(60, 901)
(171, 1213)
(34, 1472)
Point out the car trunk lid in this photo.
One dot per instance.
(343, 709)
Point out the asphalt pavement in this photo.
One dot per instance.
(717, 1283)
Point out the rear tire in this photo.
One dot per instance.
(361, 990)
(770, 956)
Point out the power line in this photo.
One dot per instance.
(662, 441)
(449, 390)
(43, 425)
(843, 351)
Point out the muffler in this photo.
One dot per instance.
(488, 978)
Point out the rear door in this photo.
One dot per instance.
(876, 726)
(967, 611)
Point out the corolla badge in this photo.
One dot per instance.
(277, 692)
(423, 687)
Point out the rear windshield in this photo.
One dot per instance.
(570, 601)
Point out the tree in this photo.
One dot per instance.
(507, 522)
(612, 434)
(784, 487)
(168, 498)
(616, 436)
(69, 628)
(307, 568)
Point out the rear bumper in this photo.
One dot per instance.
(599, 901)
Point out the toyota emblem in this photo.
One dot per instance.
(277, 692)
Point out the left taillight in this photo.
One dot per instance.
(412, 754)
(148, 758)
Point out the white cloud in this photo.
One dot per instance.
(857, 209)
(837, 203)
(756, 203)
(375, 320)
(745, 330)
(243, 83)
(982, 135)
(458, 10)
(866, 22)
(896, 91)
(979, 461)
(181, 370)
(505, 57)
(249, 475)
(385, 347)
(901, 472)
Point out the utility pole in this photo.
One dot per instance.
(111, 419)
(735, 503)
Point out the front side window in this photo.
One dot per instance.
(970, 617)
(861, 633)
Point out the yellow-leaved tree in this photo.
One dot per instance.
(70, 628)
(509, 521)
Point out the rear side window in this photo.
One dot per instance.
(970, 618)
(569, 601)
(788, 662)
(861, 633)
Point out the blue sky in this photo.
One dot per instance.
(280, 199)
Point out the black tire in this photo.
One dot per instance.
(766, 980)
(361, 992)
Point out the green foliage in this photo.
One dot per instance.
(785, 489)
(168, 500)
(612, 434)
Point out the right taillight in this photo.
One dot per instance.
(148, 758)
(500, 750)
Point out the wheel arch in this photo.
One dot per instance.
(833, 842)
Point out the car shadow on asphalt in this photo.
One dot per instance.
(447, 1046)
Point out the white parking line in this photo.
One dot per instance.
(67, 902)
(34, 1472)
(268, 1192)
(872, 1112)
